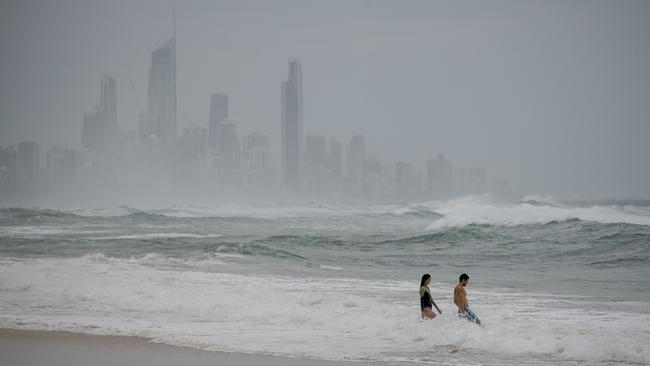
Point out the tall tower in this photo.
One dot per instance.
(292, 134)
(108, 107)
(162, 90)
(218, 114)
(99, 132)
(355, 158)
(28, 159)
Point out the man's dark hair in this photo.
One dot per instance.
(463, 277)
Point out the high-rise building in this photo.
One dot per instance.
(231, 153)
(190, 157)
(8, 168)
(439, 177)
(99, 132)
(335, 159)
(54, 166)
(372, 169)
(335, 166)
(218, 114)
(477, 180)
(70, 165)
(147, 127)
(61, 167)
(256, 150)
(162, 92)
(108, 106)
(194, 137)
(405, 180)
(257, 163)
(315, 151)
(355, 158)
(292, 125)
(316, 174)
(28, 164)
(93, 133)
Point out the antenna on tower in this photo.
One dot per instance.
(174, 66)
(174, 19)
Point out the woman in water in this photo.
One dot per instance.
(426, 301)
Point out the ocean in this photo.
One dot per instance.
(554, 282)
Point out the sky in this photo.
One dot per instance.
(552, 95)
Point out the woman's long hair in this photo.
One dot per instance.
(425, 277)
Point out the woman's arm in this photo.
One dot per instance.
(436, 306)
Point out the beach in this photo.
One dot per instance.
(33, 348)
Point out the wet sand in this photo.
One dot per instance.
(35, 348)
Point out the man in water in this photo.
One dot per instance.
(460, 299)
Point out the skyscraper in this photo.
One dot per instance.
(316, 175)
(218, 114)
(439, 177)
(92, 135)
(404, 179)
(99, 132)
(108, 106)
(355, 158)
(335, 159)
(61, 167)
(292, 134)
(8, 169)
(162, 91)
(257, 163)
(315, 151)
(28, 164)
(231, 152)
(190, 154)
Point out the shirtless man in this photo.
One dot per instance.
(460, 299)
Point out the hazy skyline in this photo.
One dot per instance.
(553, 96)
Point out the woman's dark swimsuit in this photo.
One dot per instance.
(425, 298)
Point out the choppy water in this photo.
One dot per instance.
(553, 282)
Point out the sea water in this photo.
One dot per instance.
(553, 282)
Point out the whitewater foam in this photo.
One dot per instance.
(314, 317)
(156, 236)
(219, 210)
(468, 211)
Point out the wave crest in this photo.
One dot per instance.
(466, 212)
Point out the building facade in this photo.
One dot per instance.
(292, 128)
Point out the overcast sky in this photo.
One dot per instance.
(553, 95)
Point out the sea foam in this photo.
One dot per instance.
(329, 318)
(480, 211)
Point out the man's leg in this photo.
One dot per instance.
(472, 317)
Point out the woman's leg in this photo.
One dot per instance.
(427, 313)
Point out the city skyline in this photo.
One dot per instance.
(213, 162)
(211, 159)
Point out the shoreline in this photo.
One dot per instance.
(20, 347)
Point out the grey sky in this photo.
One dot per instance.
(554, 95)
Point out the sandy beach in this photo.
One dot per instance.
(35, 348)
